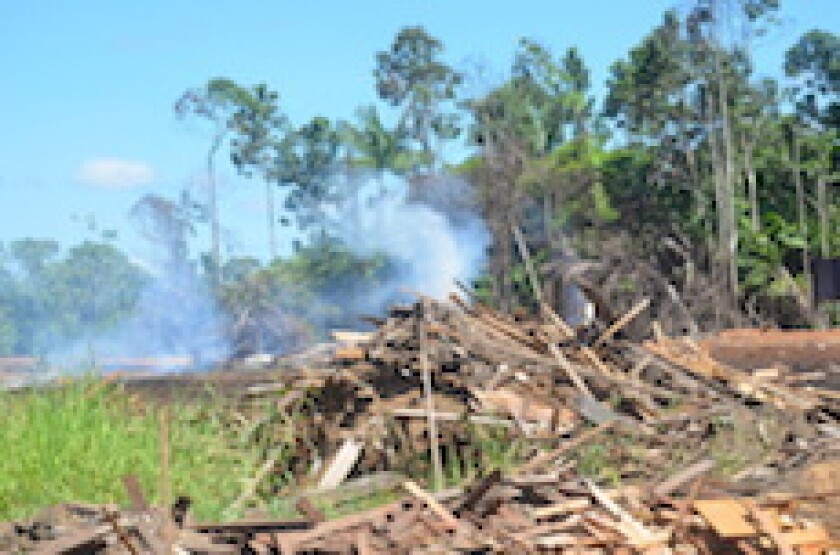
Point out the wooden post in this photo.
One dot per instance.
(165, 493)
(168, 533)
(437, 467)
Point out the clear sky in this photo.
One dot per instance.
(88, 86)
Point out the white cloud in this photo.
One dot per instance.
(116, 173)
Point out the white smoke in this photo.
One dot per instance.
(432, 233)
(175, 325)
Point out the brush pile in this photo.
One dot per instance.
(609, 446)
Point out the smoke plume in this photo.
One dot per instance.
(430, 230)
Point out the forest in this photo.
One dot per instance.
(693, 182)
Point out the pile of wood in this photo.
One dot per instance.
(433, 369)
(528, 511)
(624, 448)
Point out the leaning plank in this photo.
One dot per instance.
(119, 530)
(619, 324)
(547, 457)
(530, 271)
(305, 507)
(252, 485)
(343, 462)
(135, 493)
(567, 367)
(677, 480)
(434, 505)
(478, 490)
(636, 532)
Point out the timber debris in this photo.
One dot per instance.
(615, 447)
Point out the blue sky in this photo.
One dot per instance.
(88, 86)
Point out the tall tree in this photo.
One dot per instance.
(168, 224)
(258, 125)
(721, 33)
(215, 102)
(411, 76)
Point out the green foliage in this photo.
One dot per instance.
(94, 287)
(374, 146)
(307, 159)
(294, 301)
(815, 61)
(411, 76)
(47, 301)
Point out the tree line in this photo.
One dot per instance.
(693, 180)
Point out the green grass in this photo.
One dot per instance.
(74, 443)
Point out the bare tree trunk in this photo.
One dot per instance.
(752, 186)
(801, 209)
(215, 241)
(729, 235)
(717, 176)
(269, 211)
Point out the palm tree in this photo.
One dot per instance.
(373, 146)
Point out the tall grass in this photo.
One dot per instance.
(75, 442)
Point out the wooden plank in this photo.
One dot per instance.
(554, 454)
(86, 540)
(342, 464)
(135, 493)
(352, 337)
(349, 353)
(594, 410)
(437, 466)
(434, 505)
(636, 532)
(479, 490)
(806, 536)
(251, 487)
(727, 517)
(687, 475)
(619, 324)
(567, 367)
(573, 505)
(767, 521)
(194, 542)
(122, 535)
(250, 526)
(362, 543)
(305, 507)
